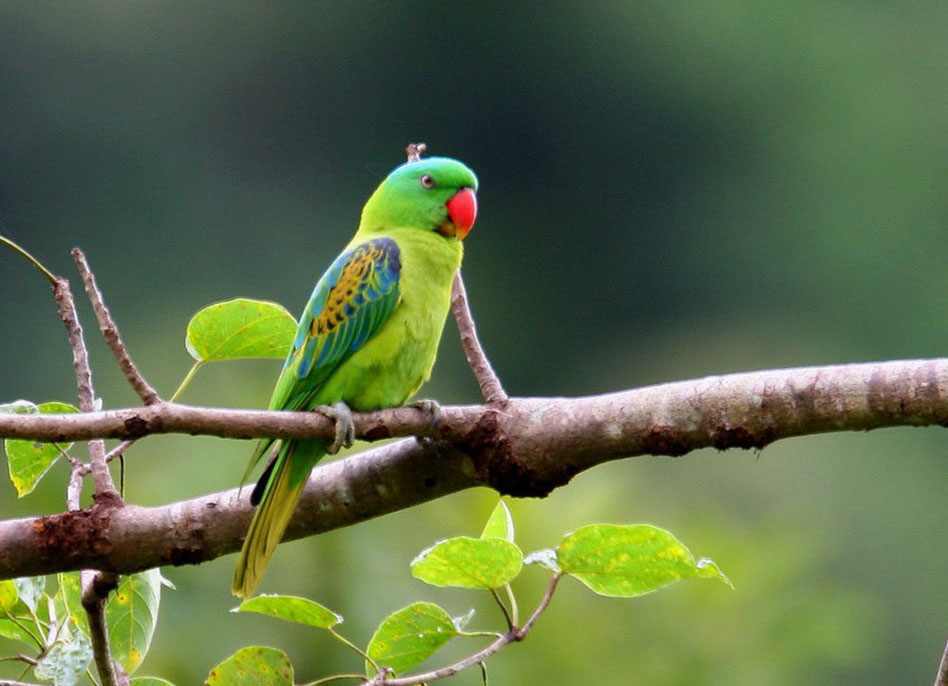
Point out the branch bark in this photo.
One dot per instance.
(110, 332)
(941, 679)
(104, 488)
(491, 389)
(528, 448)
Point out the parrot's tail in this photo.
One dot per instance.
(280, 486)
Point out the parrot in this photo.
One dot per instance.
(368, 336)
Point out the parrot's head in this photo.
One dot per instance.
(430, 194)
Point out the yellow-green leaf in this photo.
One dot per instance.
(70, 595)
(500, 523)
(466, 562)
(291, 609)
(150, 681)
(625, 561)
(253, 666)
(132, 613)
(410, 636)
(240, 329)
(28, 461)
(8, 595)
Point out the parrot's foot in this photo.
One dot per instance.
(430, 408)
(341, 416)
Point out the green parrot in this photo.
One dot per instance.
(369, 334)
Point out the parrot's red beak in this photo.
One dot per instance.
(462, 213)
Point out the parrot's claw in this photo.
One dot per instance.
(432, 409)
(341, 416)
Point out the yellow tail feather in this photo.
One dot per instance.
(266, 530)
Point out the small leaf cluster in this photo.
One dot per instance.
(55, 631)
(621, 561)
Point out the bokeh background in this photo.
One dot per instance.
(669, 190)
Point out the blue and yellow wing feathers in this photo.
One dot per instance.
(349, 305)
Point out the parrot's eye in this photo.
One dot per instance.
(427, 181)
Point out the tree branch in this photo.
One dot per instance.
(96, 586)
(111, 334)
(513, 634)
(491, 389)
(96, 589)
(941, 679)
(104, 488)
(529, 448)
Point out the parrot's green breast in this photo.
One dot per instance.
(391, 366)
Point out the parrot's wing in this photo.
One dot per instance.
(349, 305)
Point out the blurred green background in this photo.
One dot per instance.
(669, 190)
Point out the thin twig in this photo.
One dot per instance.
(94, 594)
(941, 679)
(544, 602)
(111, 334)
(74, 488)
(414, 151)
(8, 682)
(119, 450)
(95, 586)
(104, 488)
(512, 636)
(20, 657)
(487, 379)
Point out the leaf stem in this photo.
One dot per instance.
(514, 610)
(476, 634)
(186, 380)
(503, 608)
(356, 648)
(29, 258)
(334, 677)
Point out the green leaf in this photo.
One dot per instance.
(291, 608)
(625, 561)
(240, 329)
(9, 629)
(8, 595)
(132, 613)
(70, 594)
(500, 523)
(253, 666)
(410, 636)
(465, 562)
(150, 681)
(19, 407)
(66, 661)
(28, 461)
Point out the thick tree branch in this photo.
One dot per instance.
(530, 447)
(111, 334)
